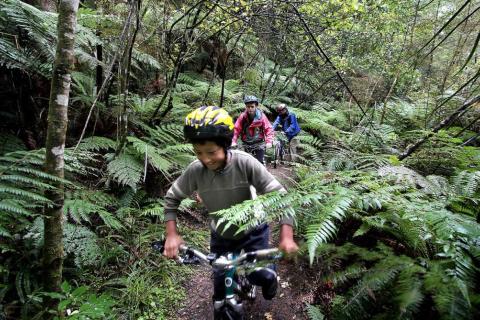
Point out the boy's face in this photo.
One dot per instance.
(251, 108)
(210, 154)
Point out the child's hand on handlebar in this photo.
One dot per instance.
(172, 243)
(288, 246)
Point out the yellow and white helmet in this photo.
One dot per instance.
(208, 122)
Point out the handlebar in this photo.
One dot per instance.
(194, 256)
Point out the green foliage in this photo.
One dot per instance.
(159, 149)
(78, 241)
(148, 293)
(80, 205)
(126, 169)
(314, 313)
(37, 31)
(10, 143)
(81, 303)
(405, 233)
(417, 238)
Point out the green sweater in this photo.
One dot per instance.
(222, 189)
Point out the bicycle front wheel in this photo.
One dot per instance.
(277, 154)
(227, 313)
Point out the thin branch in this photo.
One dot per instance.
(444, 26)
(106, 81)
(327, 59)
(450, 32)
(453, 95)
(410, 149)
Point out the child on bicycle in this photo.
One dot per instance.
(253, 127)
(223, 178)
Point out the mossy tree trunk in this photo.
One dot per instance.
(55, 145)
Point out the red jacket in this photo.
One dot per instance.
(258, 130)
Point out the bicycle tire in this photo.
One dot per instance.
(277, 154)
(227, 313)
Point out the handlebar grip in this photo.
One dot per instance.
(159, 246)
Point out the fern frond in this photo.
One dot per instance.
(110, 220)
(96, 144)
(79, 242)
(378, 277)
(39, 28)
(13, 206)
(448, 293)
(18, 179)
(24, 194)
(314, 313)
(155, 158)
(83, 205)
(126, 169)
(154, 210)
(323, 227)
(409, 293)
(466, 183)
(79, 210)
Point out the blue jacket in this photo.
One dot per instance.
(289, 125)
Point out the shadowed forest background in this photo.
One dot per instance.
(385, 191)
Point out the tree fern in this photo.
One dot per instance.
(40, 29)
(126, 169)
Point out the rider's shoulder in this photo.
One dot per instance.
(194, 165)
(239, 154)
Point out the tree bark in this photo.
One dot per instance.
(57, 127)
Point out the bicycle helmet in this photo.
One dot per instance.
(208, 122)
(249, 99)
(281, 106)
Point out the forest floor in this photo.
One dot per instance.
(297, 286)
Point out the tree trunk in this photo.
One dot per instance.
(55, 145)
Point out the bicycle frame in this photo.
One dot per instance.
(281, 149)
(229, 264)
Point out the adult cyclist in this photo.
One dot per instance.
(254, 129)
(289, 125)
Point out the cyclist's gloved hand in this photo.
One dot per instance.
(234, 145)
(172, 243)
(269, 145)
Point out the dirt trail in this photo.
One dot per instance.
(288, 304)
(295, 287)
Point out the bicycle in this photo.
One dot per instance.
(236, 267)
(281, 148)
(253, 149)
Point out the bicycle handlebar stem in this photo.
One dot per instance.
(222, 261)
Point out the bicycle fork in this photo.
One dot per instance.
(229, 300)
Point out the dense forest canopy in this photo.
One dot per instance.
(385, 190)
